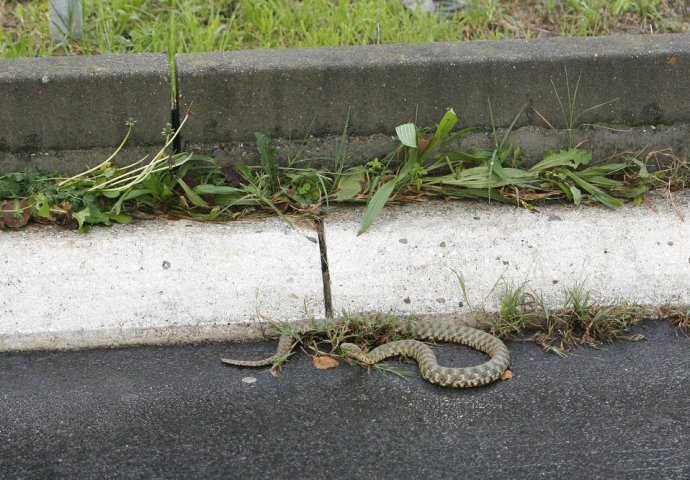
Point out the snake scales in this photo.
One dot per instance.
(422, 353)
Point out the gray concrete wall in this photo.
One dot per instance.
(66, 113)
(289, 93)
(80, 103)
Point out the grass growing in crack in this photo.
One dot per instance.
(571, 114)
(677, 316)
(324, 338)
(580, 321)
(424, 166)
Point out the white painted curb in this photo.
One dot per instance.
(160, 281)
(407, 262)
(153, 282)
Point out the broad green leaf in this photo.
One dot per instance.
(596, 192)
(577, 195)
(565, 158)
(111, 193)
(81, 217)
(633, 193)
(182, 158)
(479, 177)
(447, 124)
(122, 218)
(43, 208)
(210, 189)
(407, 134)
(375, 205)
(189, 193)
(350, 184)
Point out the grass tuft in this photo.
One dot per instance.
(425, 166)
(580, 321)
(368, 331)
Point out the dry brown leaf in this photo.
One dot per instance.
(7, 213)
(507, 375)
(673, 61)
(323, 363)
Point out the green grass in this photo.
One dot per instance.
(581, 321)
(424, 166)
(323, 339)
(177, 26)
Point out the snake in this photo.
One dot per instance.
(425, 357)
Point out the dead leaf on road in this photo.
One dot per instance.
(673, 61)
(507, 375)
(323, 363)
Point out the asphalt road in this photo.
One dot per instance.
(622, 411)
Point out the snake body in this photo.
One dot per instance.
(422, 353)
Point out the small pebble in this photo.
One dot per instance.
(249, 380)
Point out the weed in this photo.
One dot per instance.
(678, 316)
(366, 330)
(581, 320)
(571, 114)
(427, 169)
(423, 167)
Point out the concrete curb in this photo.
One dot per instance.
(69, 103)
(75, 104)
(291, 92)
(162, 282)
(179, 282)
(155, 281)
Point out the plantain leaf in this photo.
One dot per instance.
(350, 184)
(596, 192)
(375, 205)
(407, 134)
(447, 124)
(481, 177)
(191, 195)
(210, 189)
(572, 158)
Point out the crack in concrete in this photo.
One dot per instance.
(325, 273)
